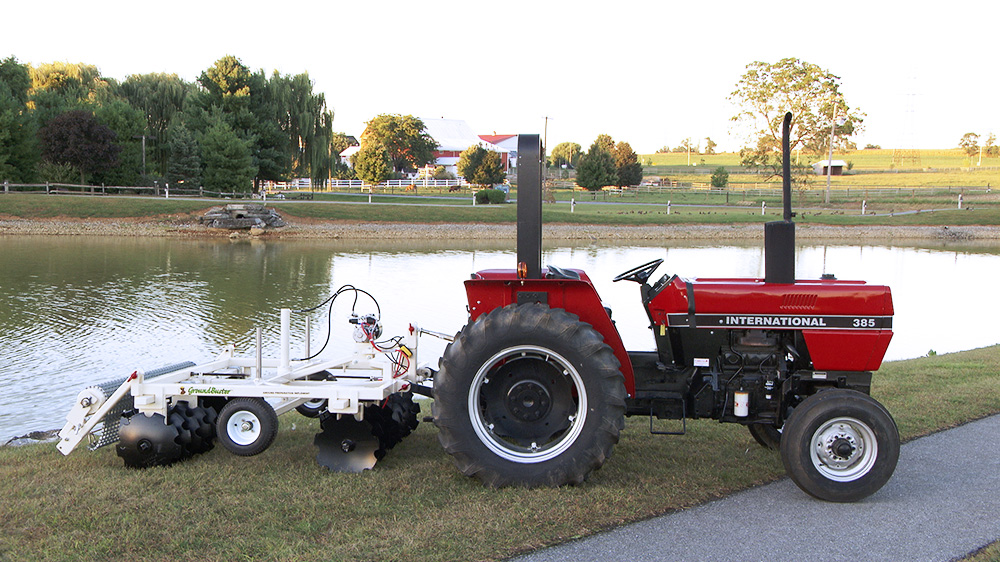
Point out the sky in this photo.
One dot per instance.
(651, 73)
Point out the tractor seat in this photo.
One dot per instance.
(559, 273)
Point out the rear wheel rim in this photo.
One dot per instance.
(542, 389)
(843, 449)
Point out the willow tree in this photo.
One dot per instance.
(306, 125)
(159, 97)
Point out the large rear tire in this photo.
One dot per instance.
(529, 396)
(840, 445)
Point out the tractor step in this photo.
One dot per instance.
(662, 405)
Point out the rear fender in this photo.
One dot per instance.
(492, 289)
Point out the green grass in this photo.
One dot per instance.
(989, 553)
(644, 209)
(33, 206)
(414, 505)
(860, 160)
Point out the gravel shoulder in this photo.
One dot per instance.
(299, 229)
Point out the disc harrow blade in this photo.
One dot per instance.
(346, 445)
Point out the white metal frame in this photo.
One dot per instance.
(362, 378)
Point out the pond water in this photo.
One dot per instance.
(76, 311)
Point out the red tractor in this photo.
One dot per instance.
(534, 390)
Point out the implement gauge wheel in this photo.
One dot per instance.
(529, 396)
(247, 426)
(840, 445)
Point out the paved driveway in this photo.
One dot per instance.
(942, 503)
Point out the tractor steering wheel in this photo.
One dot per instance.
(639, 274)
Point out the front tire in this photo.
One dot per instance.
(529, 396)
(840, 445)
(766, 435)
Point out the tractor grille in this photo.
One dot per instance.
(799, 301)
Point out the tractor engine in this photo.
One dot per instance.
(753, 364)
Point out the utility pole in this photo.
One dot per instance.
(829, 160)
(144, 137)
(545, 145)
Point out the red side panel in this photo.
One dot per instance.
(492, 289)
(847, 350)
(847, 325)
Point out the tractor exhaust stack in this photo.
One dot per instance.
(529, 207)
(779, 236)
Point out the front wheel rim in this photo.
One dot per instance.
(844, 449)
(243, 428)
(548, 386)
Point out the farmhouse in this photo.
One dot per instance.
(453, 137)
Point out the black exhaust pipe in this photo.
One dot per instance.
(779, 236)
(529, 207)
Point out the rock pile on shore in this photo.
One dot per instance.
(405, 231)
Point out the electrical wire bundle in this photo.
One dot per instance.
(370, 325)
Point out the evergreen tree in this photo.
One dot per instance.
(597, 167)
(228, 164)
(184, 162)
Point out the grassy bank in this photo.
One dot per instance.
(414, 505)
(687, 207)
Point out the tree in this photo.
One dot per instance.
(404, 137)
(991, 145)
(306, 124)
(246, 102)
(228, 163)
(159, 97)
(686, 146)
(59, 87)
(77, 139)
(597, 167)
(184, 162)
(128, 123)
(605, 143)
(767, 91)
(18, 149)
(372, 163)
(710, 145)
(969, 143)
(481, 166)
(720, 178)
(566, 154)
(627, 166)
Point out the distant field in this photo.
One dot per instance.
(950, 168)
(860, 160)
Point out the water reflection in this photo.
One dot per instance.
(83, 310)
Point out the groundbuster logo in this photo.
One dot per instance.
(209, 390)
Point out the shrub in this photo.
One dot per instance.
(490, 196)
